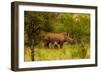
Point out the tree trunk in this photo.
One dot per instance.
(32, 50)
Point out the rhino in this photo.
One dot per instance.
(57, 39)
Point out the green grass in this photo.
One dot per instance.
(67, 52)
(27, 54)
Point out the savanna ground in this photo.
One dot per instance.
(36, 23)
(67, 52)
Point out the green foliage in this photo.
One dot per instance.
(37, 23)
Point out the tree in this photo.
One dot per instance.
(32, 29)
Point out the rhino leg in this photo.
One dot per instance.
(46, 44)
(56, 44)
(61, 44)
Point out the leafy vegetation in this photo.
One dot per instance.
(37, 23)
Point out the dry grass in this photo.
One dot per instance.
(67, 52)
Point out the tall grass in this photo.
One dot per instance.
(67, 52)
(27, 54)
